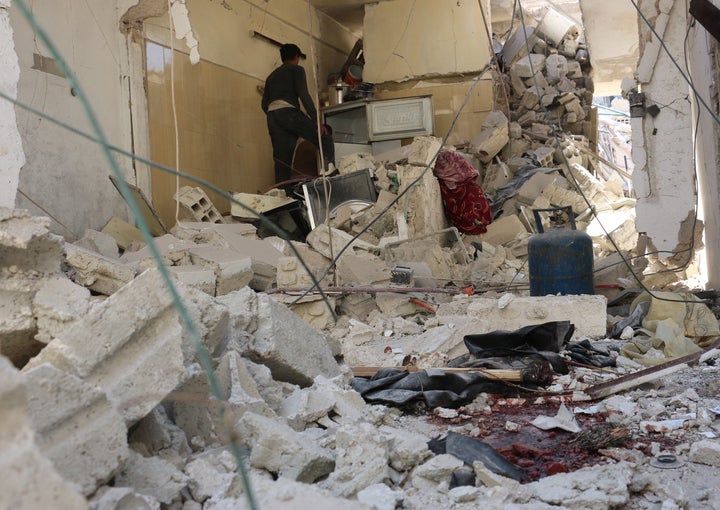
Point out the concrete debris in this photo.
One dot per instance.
(29, 479)
(113, 400)
(59, 405)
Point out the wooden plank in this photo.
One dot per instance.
(152, 220)
(635, 379)
(493, 373)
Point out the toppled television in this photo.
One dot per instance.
(356, 188)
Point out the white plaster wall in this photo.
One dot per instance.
(12, 157)
(611, 32)
(66, 177)
(406, 39)
(701, 47)
(662, 146)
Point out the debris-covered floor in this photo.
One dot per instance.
(425, 375)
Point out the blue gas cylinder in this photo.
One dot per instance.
(560, 260)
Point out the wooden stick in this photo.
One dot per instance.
(635, 379)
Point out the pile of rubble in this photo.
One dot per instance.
(109, 402)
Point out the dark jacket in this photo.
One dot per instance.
(288, 83)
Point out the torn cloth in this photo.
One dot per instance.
(464, 202)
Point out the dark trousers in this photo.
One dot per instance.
(285, 127)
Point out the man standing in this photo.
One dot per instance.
(285, 88)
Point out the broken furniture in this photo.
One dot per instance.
(378, 125)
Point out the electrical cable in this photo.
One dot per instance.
(574, 179)
(174, 109)
(200, 349)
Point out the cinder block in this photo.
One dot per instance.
(276, 447)
(96, 272)
(232, 271)
(294, 351)
(528, 65)
(130, 346)
(423, 149)
(355, 162)
(122, 232)
(316, 313)
(29, 481)
(76, 426)
(492, 138)
(196, 204)
(556, 68)
(320, 240)
(291, 273)
(201, 233)
(57, 304)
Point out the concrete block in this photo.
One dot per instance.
(160, 437)
(276, 447)
(196, 277)
(363, 269)
(153, 477)
(104, 244)
(556, 68)
(528, 118)
(362, 459)
(196, 205)
(100, 274)
(291, 273)
(493, 136)
(317, 314)
(321, 238)
(57, 304)
(123, 233)
(308, 405)
(197, 412)
(232, 271)
(528, 65)
(17, 322)
(425, 214)
(29, 480)
(407, 449)
(423, 150)
(503, 230)
(76, 426)
(27, 245)
(705, 452)
(587, 313)
(211, 474)
(294, 351)
(273, 392)
(173, 251)
(242, 306)
(355, 162)
(129, 345)
(533, 187)
(211, 320)
(264, 258)
(545, 156)
(117, 498)
(381, 497)
(437, 470)
(358, 306)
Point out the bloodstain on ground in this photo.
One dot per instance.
(539, 452)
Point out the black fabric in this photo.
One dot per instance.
(436, 387)
(588, 354)
(288, 83)
(509, 190)
(471, 450)
(549, 336)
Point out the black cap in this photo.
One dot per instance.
(289, 51)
